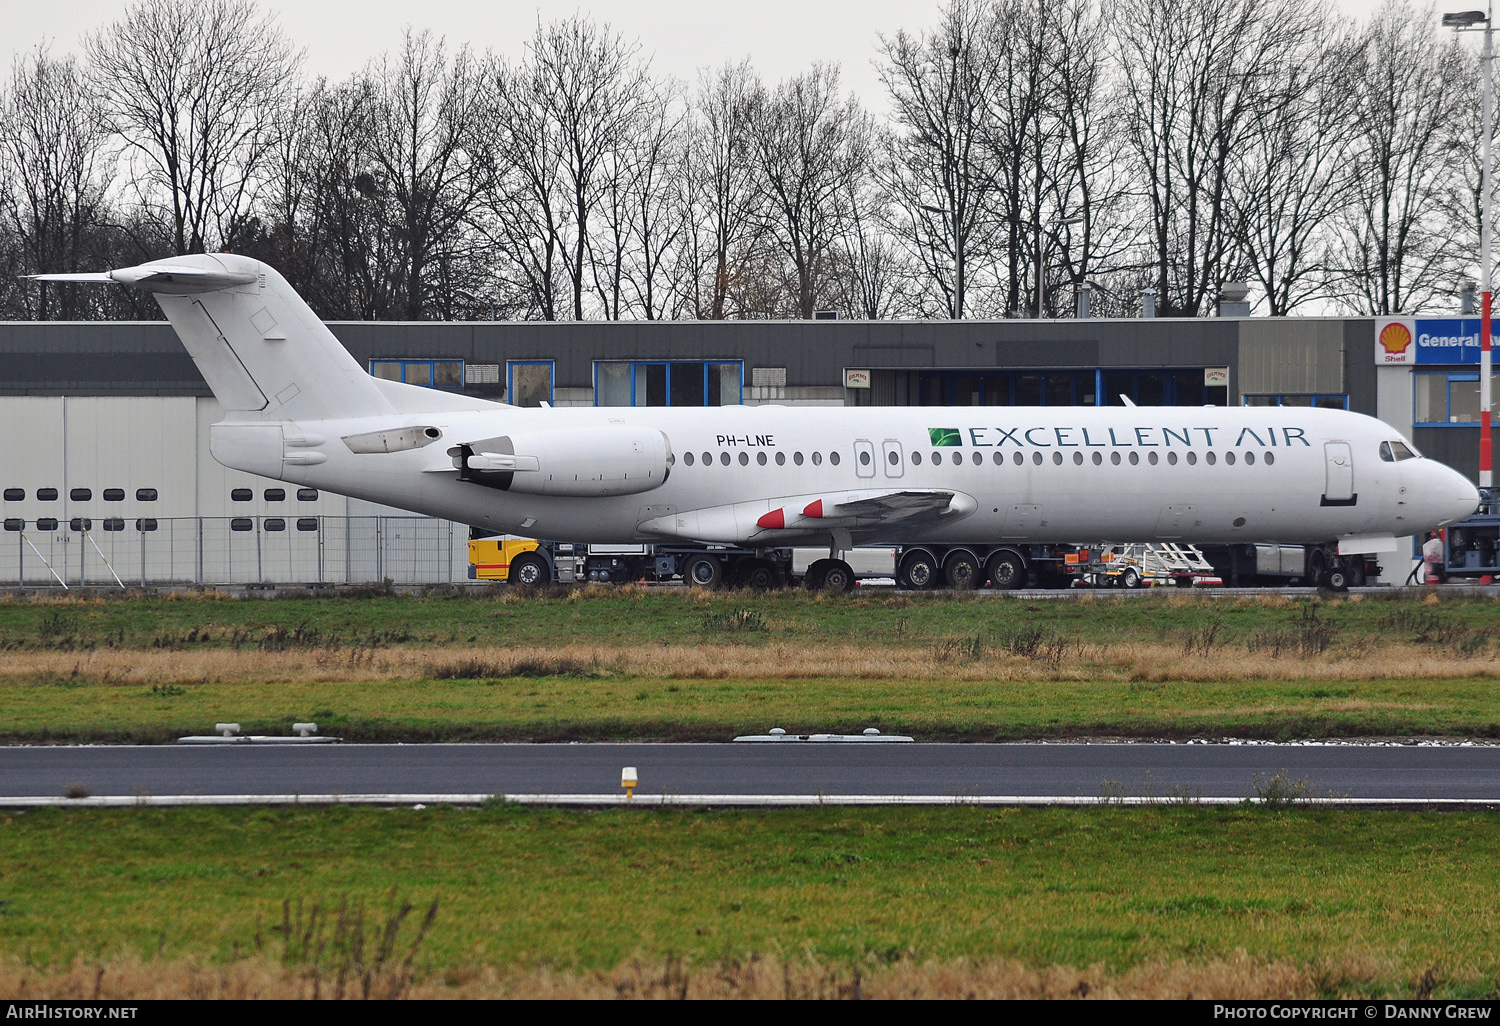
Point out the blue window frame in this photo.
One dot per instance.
(427, 373)
(1446, 398)
(529, 382)
(663, 383)
(1326, 401)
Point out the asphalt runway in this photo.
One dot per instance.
(956, 772)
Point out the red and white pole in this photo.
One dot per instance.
(1486, 472)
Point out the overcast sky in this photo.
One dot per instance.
(781, 37)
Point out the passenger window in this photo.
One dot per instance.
(978, 458)
(1016, 458)
(1229, 458)
(817, 459)
(1057, 458)
(864, 459)
(1152, 458)
(687, 458)
(708, 459)
(1270, 458)
(958, 458)
(724, 458)
(760, 458)
(744, 459)
(1172, 459)
(797, 458)
(1114, 458)
(1210, 458)
(1098, 459)
(1135, 459)
(999, 459)
(1249, 459)
(1078, 459)
(1036, 458)
(893, 457)
(781, 459)
(1192, 458)
(833, 459)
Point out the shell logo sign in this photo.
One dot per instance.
(1393, 342)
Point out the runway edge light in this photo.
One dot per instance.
(628, 781)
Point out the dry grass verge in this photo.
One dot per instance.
(761, 978)
(973, 660)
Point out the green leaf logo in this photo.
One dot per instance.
(945, 436)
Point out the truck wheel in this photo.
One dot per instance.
(1131, 578)
(528, 570)
(703, 572)
(1335, 578)
(1005, 570)
(918, 571)
(759, 575)
(838, 576)
(961, 571)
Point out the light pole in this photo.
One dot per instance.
(1044, 246)
(1468, 21)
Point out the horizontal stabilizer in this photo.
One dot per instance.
(162, 276)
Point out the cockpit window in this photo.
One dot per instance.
(1394, 452)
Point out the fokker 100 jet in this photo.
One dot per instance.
(297, 407)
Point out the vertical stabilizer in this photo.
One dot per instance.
(258, 345)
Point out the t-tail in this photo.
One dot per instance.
(260, 348)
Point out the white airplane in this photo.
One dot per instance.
(986, 481)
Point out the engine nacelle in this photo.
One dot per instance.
(607, 460)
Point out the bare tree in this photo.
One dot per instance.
(1291, 176)
(53, 176)
(936, 167)
(425, 152)
(720, 184)
(194, 88)
(1397, 250)
(1194, 77)
(809, 145)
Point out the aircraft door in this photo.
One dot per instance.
(895, 462)
(864, 457)
(1338, 487)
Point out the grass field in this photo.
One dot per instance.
(1152, 901)
(1161, 901)
(594, 664)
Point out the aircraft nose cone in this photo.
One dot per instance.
(1466, 501)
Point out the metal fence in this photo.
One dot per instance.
(232, 550)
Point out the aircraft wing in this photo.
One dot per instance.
(780, 520)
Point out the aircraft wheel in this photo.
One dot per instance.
(838, 576)
(961, 571)
(760, 575)
(1006, 570)
(1131, 578)
(1335, 578)
(528, 570)
(918, 571)
(703, 572)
